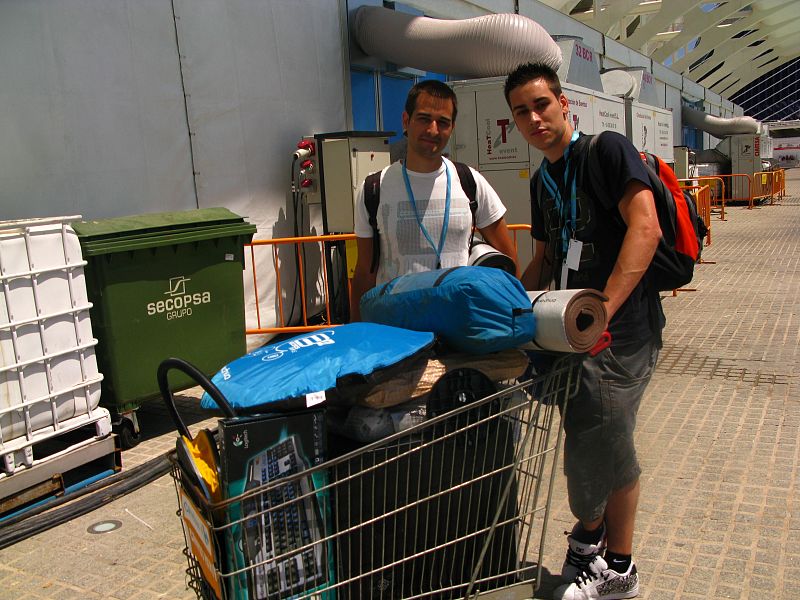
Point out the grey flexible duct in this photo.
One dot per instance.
(719, 127)
(485, 46)
(620, 83)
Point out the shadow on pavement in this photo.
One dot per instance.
(549, 582)
(155, 420)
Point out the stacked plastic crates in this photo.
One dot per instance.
(49, 381)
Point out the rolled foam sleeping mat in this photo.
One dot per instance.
(568, 320)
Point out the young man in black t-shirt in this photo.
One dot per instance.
(601, 235)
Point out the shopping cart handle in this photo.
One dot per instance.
(603, 343)
(199, 378)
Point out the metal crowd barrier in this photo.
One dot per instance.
(322, 252)
(716, 185)
(702, 198)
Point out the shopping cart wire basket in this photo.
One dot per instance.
(454, 507)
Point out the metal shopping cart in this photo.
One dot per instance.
(454, 507)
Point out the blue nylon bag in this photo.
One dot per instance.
(472, 309)
(315, 367)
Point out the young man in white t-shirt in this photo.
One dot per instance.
(414, 201)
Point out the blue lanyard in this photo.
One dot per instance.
(419, 219)
(568, 229)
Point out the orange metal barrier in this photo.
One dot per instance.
(764, 185)
(737, 181)
(515, 228)
(771, 184)
(702, 198)
(717, 191)
(780, 182)
(308, 250)
(312, 249)
(300, 247)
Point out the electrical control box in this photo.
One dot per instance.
(681, 166)
(746, 151)
(338, 165)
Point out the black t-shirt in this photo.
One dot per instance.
(599, 225)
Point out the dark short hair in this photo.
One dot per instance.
(530, 72)
(432, 87)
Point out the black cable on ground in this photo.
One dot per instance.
(83, 501)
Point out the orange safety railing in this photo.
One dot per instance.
(515, 228)
(717, 191)
(733, 183)
(299, 248)
(702, 198)
(770, 184)
(763, 185)
(780, 183)
(299, 252)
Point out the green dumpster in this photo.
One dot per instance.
(165, 284)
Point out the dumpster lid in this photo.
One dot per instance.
(159, 229)
(154, 223)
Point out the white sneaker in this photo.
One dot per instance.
(599, 582)
(579, 555)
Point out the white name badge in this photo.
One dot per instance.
(572, 260)
(574, 254)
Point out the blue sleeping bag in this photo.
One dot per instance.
(472, 309)
(325, 365)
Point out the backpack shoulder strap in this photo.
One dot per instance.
(651, 160)
(471, 190)
(468, 185)
(372, 197)
(591, 164)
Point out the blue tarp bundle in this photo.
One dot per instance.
(472, 309)
(307, 369)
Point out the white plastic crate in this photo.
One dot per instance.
(49, 382)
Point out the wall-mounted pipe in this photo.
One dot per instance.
(719, 127)
(485, 46)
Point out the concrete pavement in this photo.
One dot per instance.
(718, 435)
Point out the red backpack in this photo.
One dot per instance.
(682, 228)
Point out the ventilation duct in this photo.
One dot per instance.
(486, 46)
(631, 82)
(581, 64)
(719, 127)
(620, 83)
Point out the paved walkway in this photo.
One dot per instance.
(718, 435)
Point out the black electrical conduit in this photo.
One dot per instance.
(93, 496)
(83, 501)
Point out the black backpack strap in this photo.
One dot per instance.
(468, 185)
(548, 261)
(372, 197)
(591, 165)
(651, 161)
(470, 188)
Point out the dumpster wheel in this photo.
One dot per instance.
(128, 431)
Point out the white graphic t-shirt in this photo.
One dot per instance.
(404, 247)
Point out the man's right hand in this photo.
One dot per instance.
(531, 277)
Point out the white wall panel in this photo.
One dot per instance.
(92, 118)
(259, 76)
